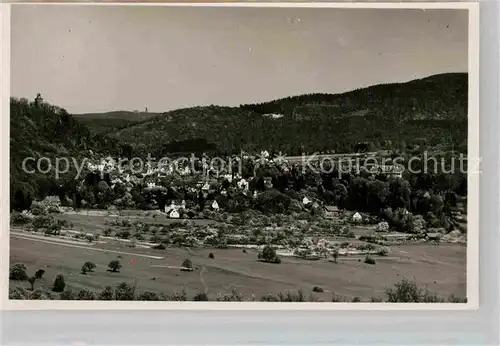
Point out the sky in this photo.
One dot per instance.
(104, 58)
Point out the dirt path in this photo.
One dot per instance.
(83, 247)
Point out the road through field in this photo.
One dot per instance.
(83, 247)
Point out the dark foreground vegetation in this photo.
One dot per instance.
(405, 291)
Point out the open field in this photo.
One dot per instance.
(440, 268)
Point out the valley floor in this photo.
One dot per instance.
(439, 268)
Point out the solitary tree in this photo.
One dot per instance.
(59, 284)
(268, 254)
(88, 267)
(39, 274)
(114, 266)
(187, 264)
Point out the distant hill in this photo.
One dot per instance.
(432, 109)
(105, 122)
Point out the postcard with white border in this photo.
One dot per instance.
(240, 156)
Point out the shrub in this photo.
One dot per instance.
(285, 297)
(201, 297)
(178, 297)
(107, 232)
(383, 252)
(123, 234)
(187, 264)
(404, 291)
(67, 295)
(317, 289)
(369, 260)
(86, 295)
(268, 254)
(88, 267)
(106, 294)
(59, 284)
(234, 296)
(115, 266)
(148, 296)
(211, 255)
(125, 291)
(356, 300)
(159, 247)
(382, 227)
(375, 300)
(18, 218)
(18, 272)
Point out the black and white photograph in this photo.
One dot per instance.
(256, 154)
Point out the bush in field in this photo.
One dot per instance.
(86, 295)
(18, 218)
(376, 300)
(59, 284)
(107, 293)
(382, 227)
(88, 267)
(42, 221)
(40, 294)
(148, 296)
(18, 272)
(67, 295)
(107, 232)
(285, 297)
(178, 297)
(383, 252)
(211, 255)
(405, 291)
(38, 208)
(123, 234)
(234, 296)
(125, 291)
(201, 297)
(39, 274)
(187, 264)
(115, 266)
(317, 289)
(369, 260)
(355, 300)
(268, 254)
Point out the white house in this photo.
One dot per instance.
(215, 205)
(174, 214)
(357, 217)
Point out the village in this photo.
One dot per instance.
(262, 210)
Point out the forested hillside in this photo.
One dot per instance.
(433, 110)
